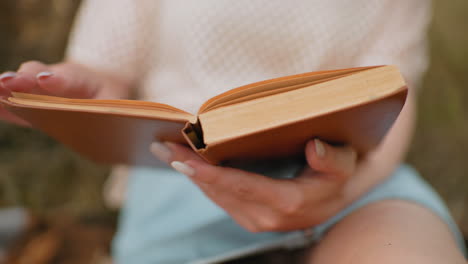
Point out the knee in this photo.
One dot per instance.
(388, 232)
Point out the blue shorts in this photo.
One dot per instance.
(167, 219)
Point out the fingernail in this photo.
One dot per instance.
(161, 151)
(44, 75)
(7, 76)
(319, 148)
(183, 168)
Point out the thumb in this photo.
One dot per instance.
(69, 80)
(336, 162)
(329, 169)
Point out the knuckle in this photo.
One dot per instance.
(247, 224)
(61, 68)
(343, 176)
(270, 223)
(210, 177)
(252, 228)
(316, 163)
(205, 174)
(344, 162)
(243, 191)
(293, 205)
(29, 65)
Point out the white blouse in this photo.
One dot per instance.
(184, 52)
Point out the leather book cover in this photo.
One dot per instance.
(362, 126)
(104, 138)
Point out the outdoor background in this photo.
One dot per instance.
(64, 191)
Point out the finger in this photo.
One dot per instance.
(321, 186)
(5, 78)
(241, 185)
(68, 80)
(32, 68)
(26, 79)
(339, 162)
(168, 152)
(253, 216)
(17, 82)
(247, 197)
(182, 153)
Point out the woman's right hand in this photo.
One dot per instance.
(65, 79)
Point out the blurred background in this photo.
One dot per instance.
(69, 222)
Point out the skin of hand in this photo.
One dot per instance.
(333, 179)
(67, 79)
(259, 203)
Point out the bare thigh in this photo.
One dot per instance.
(390, 231)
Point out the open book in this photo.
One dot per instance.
(267, 119)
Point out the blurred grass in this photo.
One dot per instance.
(43, 175)
(440, 147)
(35, 171)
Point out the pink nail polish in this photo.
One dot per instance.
(44, 75)
(7, 76)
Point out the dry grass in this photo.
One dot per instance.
(38, 173)
(440, 148)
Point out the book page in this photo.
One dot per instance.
(131, 107)
(251, 116)
(274, 86)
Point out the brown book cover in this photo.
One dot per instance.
(268, 119)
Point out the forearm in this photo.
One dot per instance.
(380, 164)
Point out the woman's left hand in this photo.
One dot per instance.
(259, 203)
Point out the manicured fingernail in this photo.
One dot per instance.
(7, 76)
(183, 168)
(161, 151)
(43, 75)
(319, 148)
